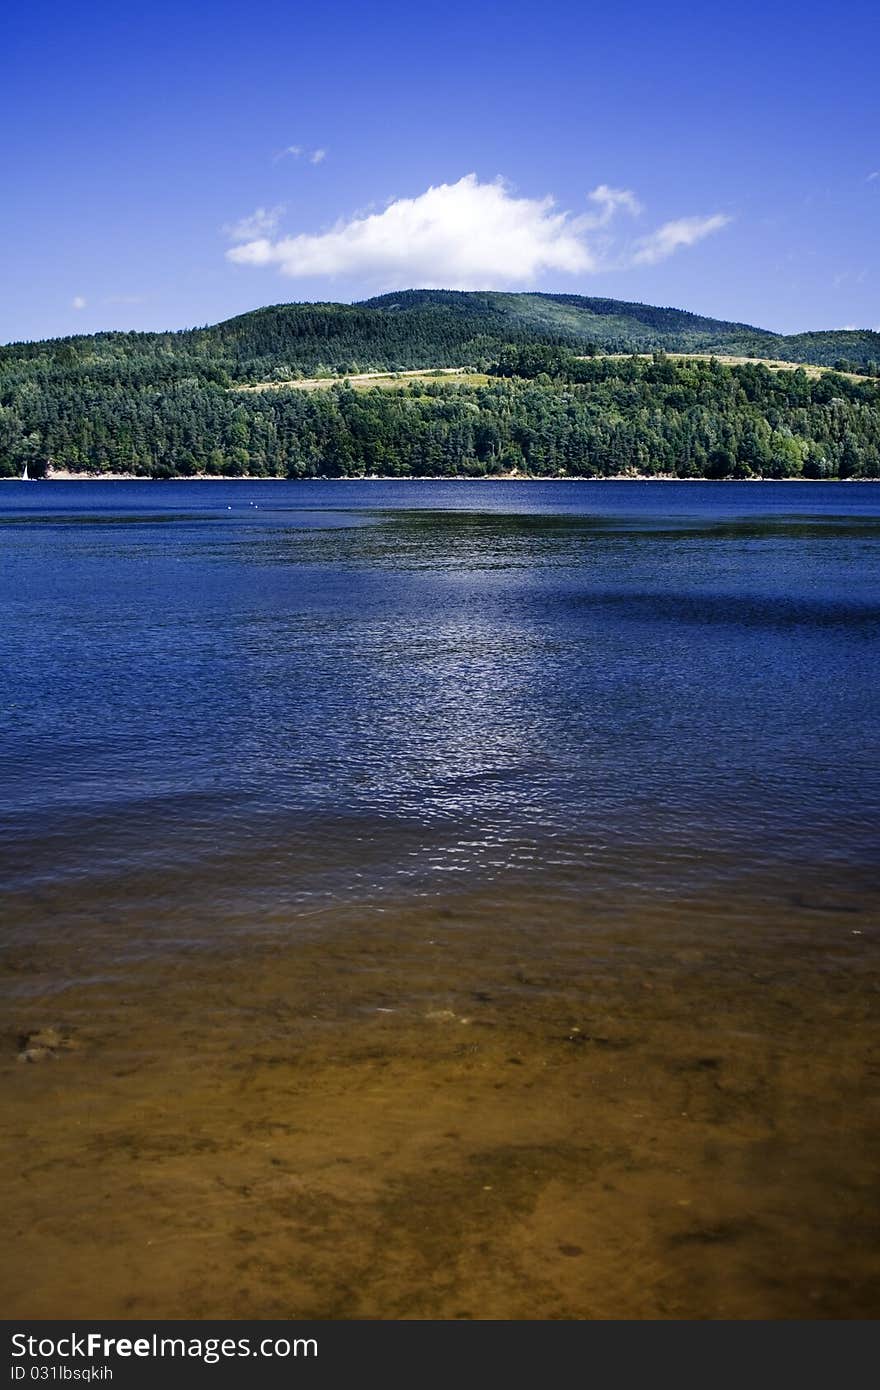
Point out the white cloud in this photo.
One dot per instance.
(261, 222)
(873, 176)
(684, 231)
(78, 302)
(471, 235)
(610, 199)
(298, 151)
(465, 234)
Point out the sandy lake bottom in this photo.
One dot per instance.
(401, 1116)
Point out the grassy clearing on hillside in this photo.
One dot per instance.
(396, 381)
(367, 381)
(774, 364)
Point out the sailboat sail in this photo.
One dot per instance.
(24, 475)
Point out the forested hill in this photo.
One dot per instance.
(617, 325)
(554, 389)
(423, 328)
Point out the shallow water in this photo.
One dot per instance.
(613, 746)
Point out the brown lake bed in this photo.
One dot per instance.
(477, 1111)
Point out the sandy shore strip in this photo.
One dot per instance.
(64, 475)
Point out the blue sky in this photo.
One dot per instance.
(171, 165)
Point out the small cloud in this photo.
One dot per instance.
(261, 222)
(610, 199)
(685, 231)
(873, 176)
(856, 277)
(299, 152)
(78, 302)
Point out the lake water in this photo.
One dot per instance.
(256, 695)
(250, 716)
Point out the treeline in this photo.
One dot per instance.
(545, 412)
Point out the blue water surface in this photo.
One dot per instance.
(265, 692)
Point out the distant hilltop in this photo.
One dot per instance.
(412, 329)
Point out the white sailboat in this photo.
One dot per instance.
(24, 475)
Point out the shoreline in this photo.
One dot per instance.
(66, 476)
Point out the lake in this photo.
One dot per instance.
(339, 818)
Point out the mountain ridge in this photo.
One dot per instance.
(424, 328)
